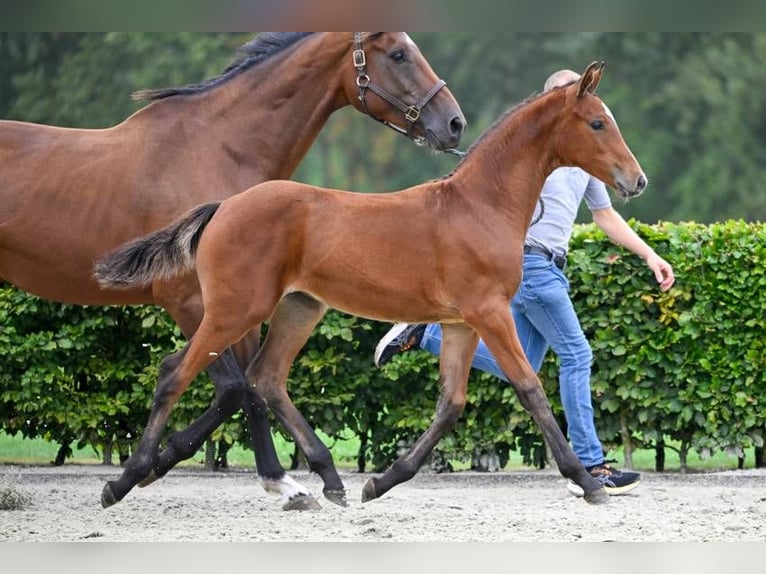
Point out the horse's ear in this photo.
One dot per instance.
(590, 78)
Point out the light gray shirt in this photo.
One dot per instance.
(563, 191)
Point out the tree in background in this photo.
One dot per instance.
(688, 102)
(690, 105)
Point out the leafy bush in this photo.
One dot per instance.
(687, 364)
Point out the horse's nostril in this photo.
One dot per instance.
(456, 126)
(641, 184)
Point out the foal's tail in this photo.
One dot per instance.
(159, 255)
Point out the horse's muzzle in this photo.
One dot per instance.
(446, 137)
(634, 190)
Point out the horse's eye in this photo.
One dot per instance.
(597, 125)
(397, 56)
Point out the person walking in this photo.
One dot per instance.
(543, 311)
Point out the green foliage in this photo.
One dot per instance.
(66, 376)
(86, 79)
(687, 102)
(687, 364)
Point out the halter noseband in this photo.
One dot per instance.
(363, 81)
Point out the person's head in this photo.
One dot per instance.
(560, 78)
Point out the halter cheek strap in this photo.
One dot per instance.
(364, 83)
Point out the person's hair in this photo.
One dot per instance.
(560, 78)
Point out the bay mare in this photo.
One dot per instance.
(285, 252)
(68, 196)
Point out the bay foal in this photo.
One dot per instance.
(446, 251)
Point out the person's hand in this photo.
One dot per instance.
(662, 270)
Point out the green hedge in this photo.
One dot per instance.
(687, 365)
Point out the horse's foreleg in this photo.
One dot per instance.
(274, 479)
(290, 327)
(232, 393)
(458, 345)
(181, 298)
(498, 331)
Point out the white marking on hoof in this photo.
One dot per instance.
(286, 487)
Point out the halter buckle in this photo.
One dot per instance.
(412, 114)
(359, 59)
(363, 81)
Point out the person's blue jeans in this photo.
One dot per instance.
(544, 316)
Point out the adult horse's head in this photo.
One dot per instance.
(590, 137)
(391, 81)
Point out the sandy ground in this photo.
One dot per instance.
(189, 505)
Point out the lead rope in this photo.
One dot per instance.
(537, 219)
(457, 152)
(411, 113)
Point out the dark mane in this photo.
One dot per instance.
(264, 45)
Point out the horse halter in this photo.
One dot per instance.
(411, 113)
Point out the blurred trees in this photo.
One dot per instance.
(689, 104)
(86, 79)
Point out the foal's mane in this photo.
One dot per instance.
(502, 120)
(265, 45)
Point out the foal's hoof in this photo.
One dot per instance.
(336, 496)
(368, 492)
(302, 502)
(150, 478)
(107, 496)
(599, 496)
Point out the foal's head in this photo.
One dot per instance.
(392, 81)
(587, 136)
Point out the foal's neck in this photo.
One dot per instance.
(509, 164)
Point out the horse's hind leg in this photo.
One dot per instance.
(181, 299)
(140, 463)
(497, 330)
(183, 444)
(290, 327)
(233, 393)
(176, 373)
(458, 345)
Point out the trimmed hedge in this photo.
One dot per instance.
(687, 365)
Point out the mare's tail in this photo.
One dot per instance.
(159, 255)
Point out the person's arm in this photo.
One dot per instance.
(617, 229)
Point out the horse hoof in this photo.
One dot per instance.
(599, 496)
(107, 496)
(368, 492)
(302, 502)
(336, 496)
(150, 478)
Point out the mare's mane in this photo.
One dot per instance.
(265, 45)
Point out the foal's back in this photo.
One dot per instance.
(384, 256)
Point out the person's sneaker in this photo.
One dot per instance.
(615, 482)
(402, 337)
